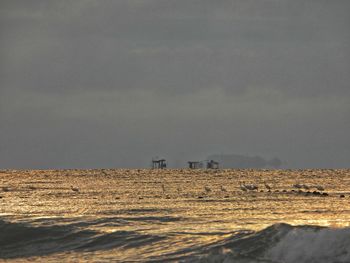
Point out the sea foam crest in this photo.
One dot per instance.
(310, 245)
(282, 243)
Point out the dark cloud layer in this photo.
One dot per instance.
(113, 83)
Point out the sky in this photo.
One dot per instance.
(104, 84)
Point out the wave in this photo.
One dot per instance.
(275, 244)
(283, 243)
(22, 240)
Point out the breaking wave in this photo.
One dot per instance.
(277, 243)
(284, 243)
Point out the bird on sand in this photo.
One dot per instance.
(250, 187)
(74, 189)
(207, 189)
(267, 186)
(5, 189)
(242, 187)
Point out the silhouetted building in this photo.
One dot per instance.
(212, 164)
(159, 164)
(195, 165)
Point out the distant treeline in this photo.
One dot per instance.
(241, 161)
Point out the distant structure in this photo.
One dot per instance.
(158, 164)
(212, 164)
(195, 165)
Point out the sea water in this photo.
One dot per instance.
(179, 215)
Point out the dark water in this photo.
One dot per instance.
(175, 215)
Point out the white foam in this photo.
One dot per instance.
(299, 245)
(308, 245)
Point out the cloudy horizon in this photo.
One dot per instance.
(88, 84)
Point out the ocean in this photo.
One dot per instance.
(175, 215)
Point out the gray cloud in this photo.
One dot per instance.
(112, 83)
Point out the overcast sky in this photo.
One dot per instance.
(114, 83)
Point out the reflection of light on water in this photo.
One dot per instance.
(135, 200)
